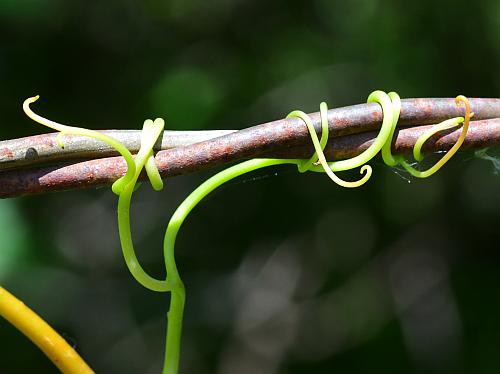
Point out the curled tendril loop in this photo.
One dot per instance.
(390, 118)
(78, 131)
(448, 124)
(319, 146)
(125, 185)
(387, 156)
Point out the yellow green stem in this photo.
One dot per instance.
(39, 332)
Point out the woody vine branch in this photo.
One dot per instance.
(352, 130)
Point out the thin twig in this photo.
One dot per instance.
(354, 119)
(236, 146)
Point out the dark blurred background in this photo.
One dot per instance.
(285, 272)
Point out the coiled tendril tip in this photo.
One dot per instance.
(318, 158)
(448, 124)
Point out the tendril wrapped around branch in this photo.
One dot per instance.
(125, 186)
(319, 146)
(445, 125)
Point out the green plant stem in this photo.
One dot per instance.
(174, 329)
(151, 131)
(127, 244)
(174, 324)
(126, 186)
(390, 106)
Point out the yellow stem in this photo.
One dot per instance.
(40, 333)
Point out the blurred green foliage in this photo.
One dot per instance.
(14, 234)
(285, 273)
(178, 92)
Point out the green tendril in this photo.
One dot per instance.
(323, 108)
(387, 156)
(448, 124)
(383, 99)
(125, 186)
(319, 146)
(78, 131)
